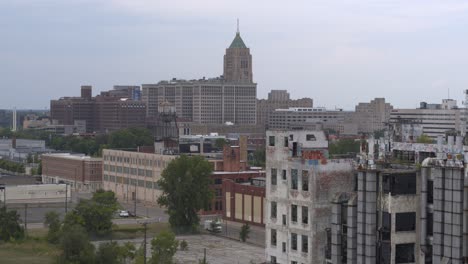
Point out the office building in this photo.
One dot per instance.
(227, 99)
(432, 119)
(82, 173)
(107, 112)
(301, 182)
(373, 116)
(278, 99)
(308, 118)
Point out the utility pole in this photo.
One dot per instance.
(66, 198)
(144, 244)
(135, 200)
(26, 218)
(204, 255)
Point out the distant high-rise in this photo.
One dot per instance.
(238, 61)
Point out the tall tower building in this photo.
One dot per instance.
(238, 61)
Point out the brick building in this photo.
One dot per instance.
(104, 113)
(82, 173)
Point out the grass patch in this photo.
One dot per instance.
(40, 233)
(31, 251)
(131, 231)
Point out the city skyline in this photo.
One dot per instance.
(405, 52)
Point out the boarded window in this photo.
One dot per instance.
(273, 210)
(405, 221)
(273, 176)
(305, 180)
(294, 179)
(293, 241)
(404, 253)
(294, 213)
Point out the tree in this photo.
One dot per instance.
(75, 246)
(113, 253)
(52, 221)
(220, 143)
(244, 232)
(164, 247)
(183, 245)
(10, 228)
(258, 158)
(185, 185)
(96, 214)
(343, 146)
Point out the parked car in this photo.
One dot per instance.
(213, 226)
(124, 214)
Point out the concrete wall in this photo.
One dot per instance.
(35, 193)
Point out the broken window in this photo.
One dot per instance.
(273, 210)
(284, 175)
(271, 141)
(405, 221)
(294, 179)
(398, 184)
(284, 219)
(294, 151)
(305, 180)
(284, 246)
(385, 252)
(404, 253)
(293, 241)
(429, 224)
(286, 142)
(430, 191)
(386, 225)
(273, 176)
(273, 259)
(305, 244)
(294, 213)
(305, 215)
(310, 137)
(273, 237)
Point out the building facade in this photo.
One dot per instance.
(278, 99)
(372, 116)
(230, 98)
(432, 119)
(301, 181)
(134, 175)
(81, 173)
(104, 113)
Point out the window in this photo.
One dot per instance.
(305, 180)
(141, 183)
(273, 237)
(405, 221)
(284, 246)
(386, 225)
(273, 210)
(273, 260)
(293, 262)
(286, 142)
(305, 243)
(284, 175)
(149, 173)
(305, 215)
(271, 141)
(149, 185)
(310, 138)
(218, 181)
(284, 219)
(397, 184)
(273, 176)
(293, 241)
(218, 192)
(430, 191)
(294, 179)
(404, 253)
(141, 172)
(294, 213)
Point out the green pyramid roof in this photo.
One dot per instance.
(238, 42)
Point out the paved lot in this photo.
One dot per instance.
(218, 250)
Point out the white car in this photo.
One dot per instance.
(124, 214)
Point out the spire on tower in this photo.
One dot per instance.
(238, 26)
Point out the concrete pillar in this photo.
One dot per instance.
(352, 232)
(336, 233)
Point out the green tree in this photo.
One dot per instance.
(244, 232)
(96, 214)
(164, 247)
(75, 246)
(185, 185)
(113, 253)
(183, 245)
(10, 228)
(220, 143)
(343, 146)
(52, 221)
(258, 158)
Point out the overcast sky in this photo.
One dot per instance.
(337, 52)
